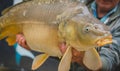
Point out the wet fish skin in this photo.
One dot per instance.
(45, 20)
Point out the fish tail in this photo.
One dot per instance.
(8, 30)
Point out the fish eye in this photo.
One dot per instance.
(86, 29)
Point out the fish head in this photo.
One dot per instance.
(92, 32)
(83, 33)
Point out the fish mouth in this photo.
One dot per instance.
(103, 41)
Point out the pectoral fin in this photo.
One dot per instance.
(66, 60)
(11, 40)
(39, 60)
(92, 59)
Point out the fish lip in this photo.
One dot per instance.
(103, 41)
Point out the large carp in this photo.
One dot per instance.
(47, 23)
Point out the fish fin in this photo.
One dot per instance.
(11, 40)
(66, 60)
(92, 59)
(2, 36)
(11, 30)
(39, 60)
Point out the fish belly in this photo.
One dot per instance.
(42, 38)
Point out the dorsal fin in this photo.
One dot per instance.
(41, 1)
(46, 1)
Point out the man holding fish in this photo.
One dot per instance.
(108, 12)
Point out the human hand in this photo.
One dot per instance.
(76, 55)
(20, 39)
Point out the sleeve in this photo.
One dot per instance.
(110, 54)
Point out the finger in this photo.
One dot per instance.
(18, 36)
(77, 56)
(76, 53)
(63, 47)
(20, 41)
(24, 44)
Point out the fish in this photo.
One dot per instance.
(85, 33)
(48, 23)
